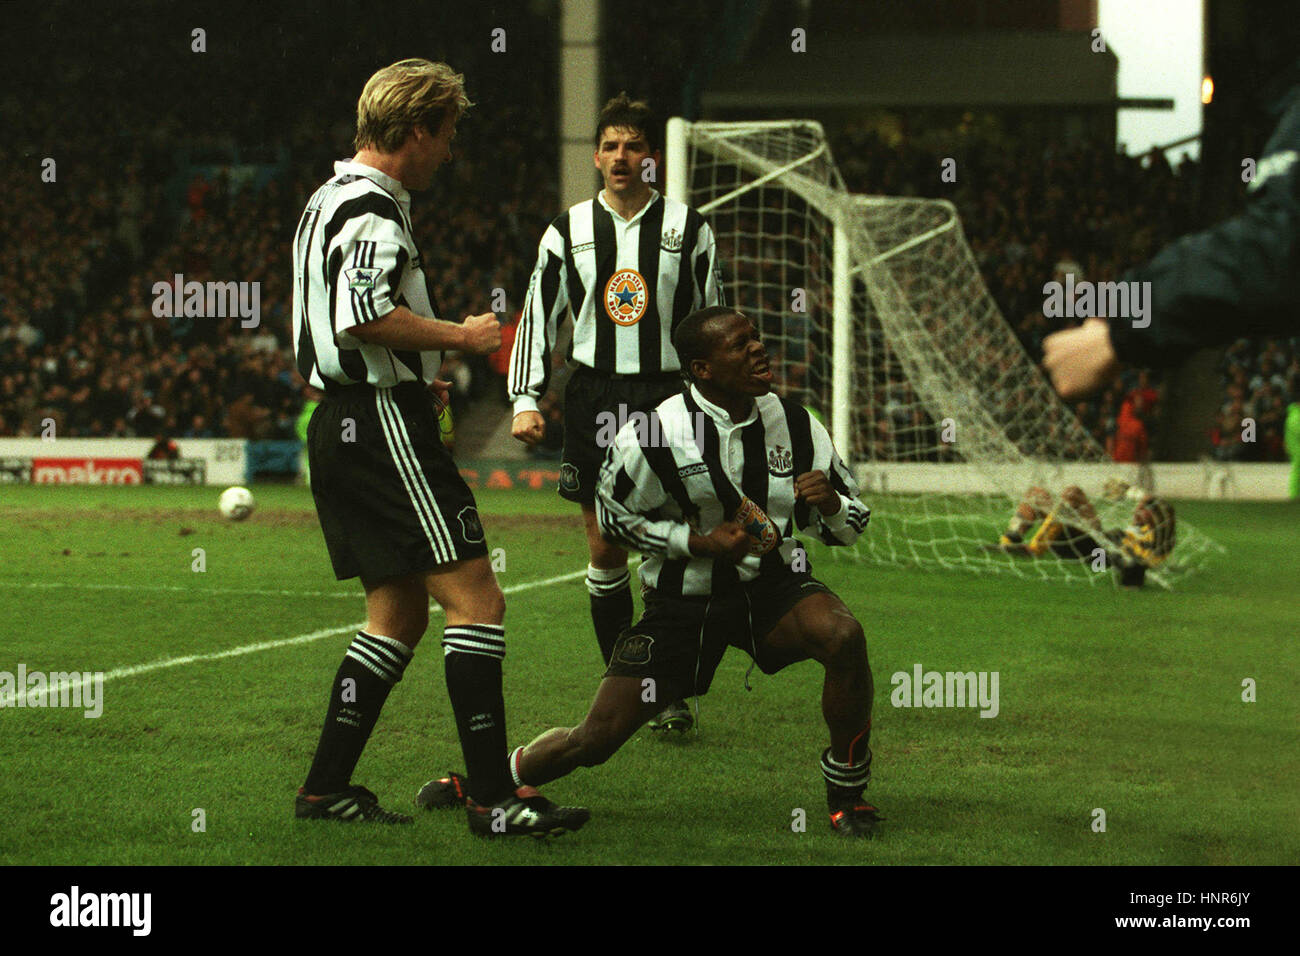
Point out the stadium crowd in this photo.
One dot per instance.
(1262, 379)
(80, 343)
(1092, 212)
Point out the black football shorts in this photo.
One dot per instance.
(588, 394)
(679, 641)
(390, 499)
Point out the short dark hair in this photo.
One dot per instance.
(690, 338)
(624, 112)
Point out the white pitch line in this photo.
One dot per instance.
(132, 671)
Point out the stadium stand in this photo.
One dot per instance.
(216, 198)
(1085, 210)
(218, 201)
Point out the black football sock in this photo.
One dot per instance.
(845, 780)
(372, 665)
(611, 606)
(473, 655)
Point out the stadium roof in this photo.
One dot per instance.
(948, 70)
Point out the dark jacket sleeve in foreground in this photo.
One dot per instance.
(1235, 280)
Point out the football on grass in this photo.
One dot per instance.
(236, 503)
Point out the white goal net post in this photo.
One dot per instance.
(878, 320)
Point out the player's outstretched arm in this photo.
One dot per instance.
(403, 329)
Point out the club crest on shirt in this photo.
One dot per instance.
(755, 523)
(470, 525)
(671, 241)
(361, 278)
(625, 297)
(780, 462)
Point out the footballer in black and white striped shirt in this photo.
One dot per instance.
(393, 508)
(355, 261)
(714, 509)
(628, 264)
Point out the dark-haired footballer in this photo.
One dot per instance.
(629, 264)
(714, 519)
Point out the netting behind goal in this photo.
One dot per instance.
(926, 389)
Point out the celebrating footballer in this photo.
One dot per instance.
(722, 569)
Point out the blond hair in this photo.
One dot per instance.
(405, 95)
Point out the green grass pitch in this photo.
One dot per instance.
(1127, 702)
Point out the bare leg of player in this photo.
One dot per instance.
(820, 627)
(467, 591)
(398, 608)
(616, 714)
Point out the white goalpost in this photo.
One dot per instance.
(878, 320)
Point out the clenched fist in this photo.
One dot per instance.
(815, 488)
(727, 541)
(528, 427)
(1080, 360)
(482, 334)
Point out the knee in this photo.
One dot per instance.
(605, 554)
(468, 592)
(493, 607)
(407, 626)
(843, 645)
(484, 604)
(414, 626)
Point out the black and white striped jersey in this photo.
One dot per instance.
(686, 467)
(627, 284)
(354, 261)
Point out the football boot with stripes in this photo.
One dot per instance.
(444, 793)
(852, 816)
(350, 805)
(675, 717)
(524, 813)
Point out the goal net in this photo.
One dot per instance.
(877, 319)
